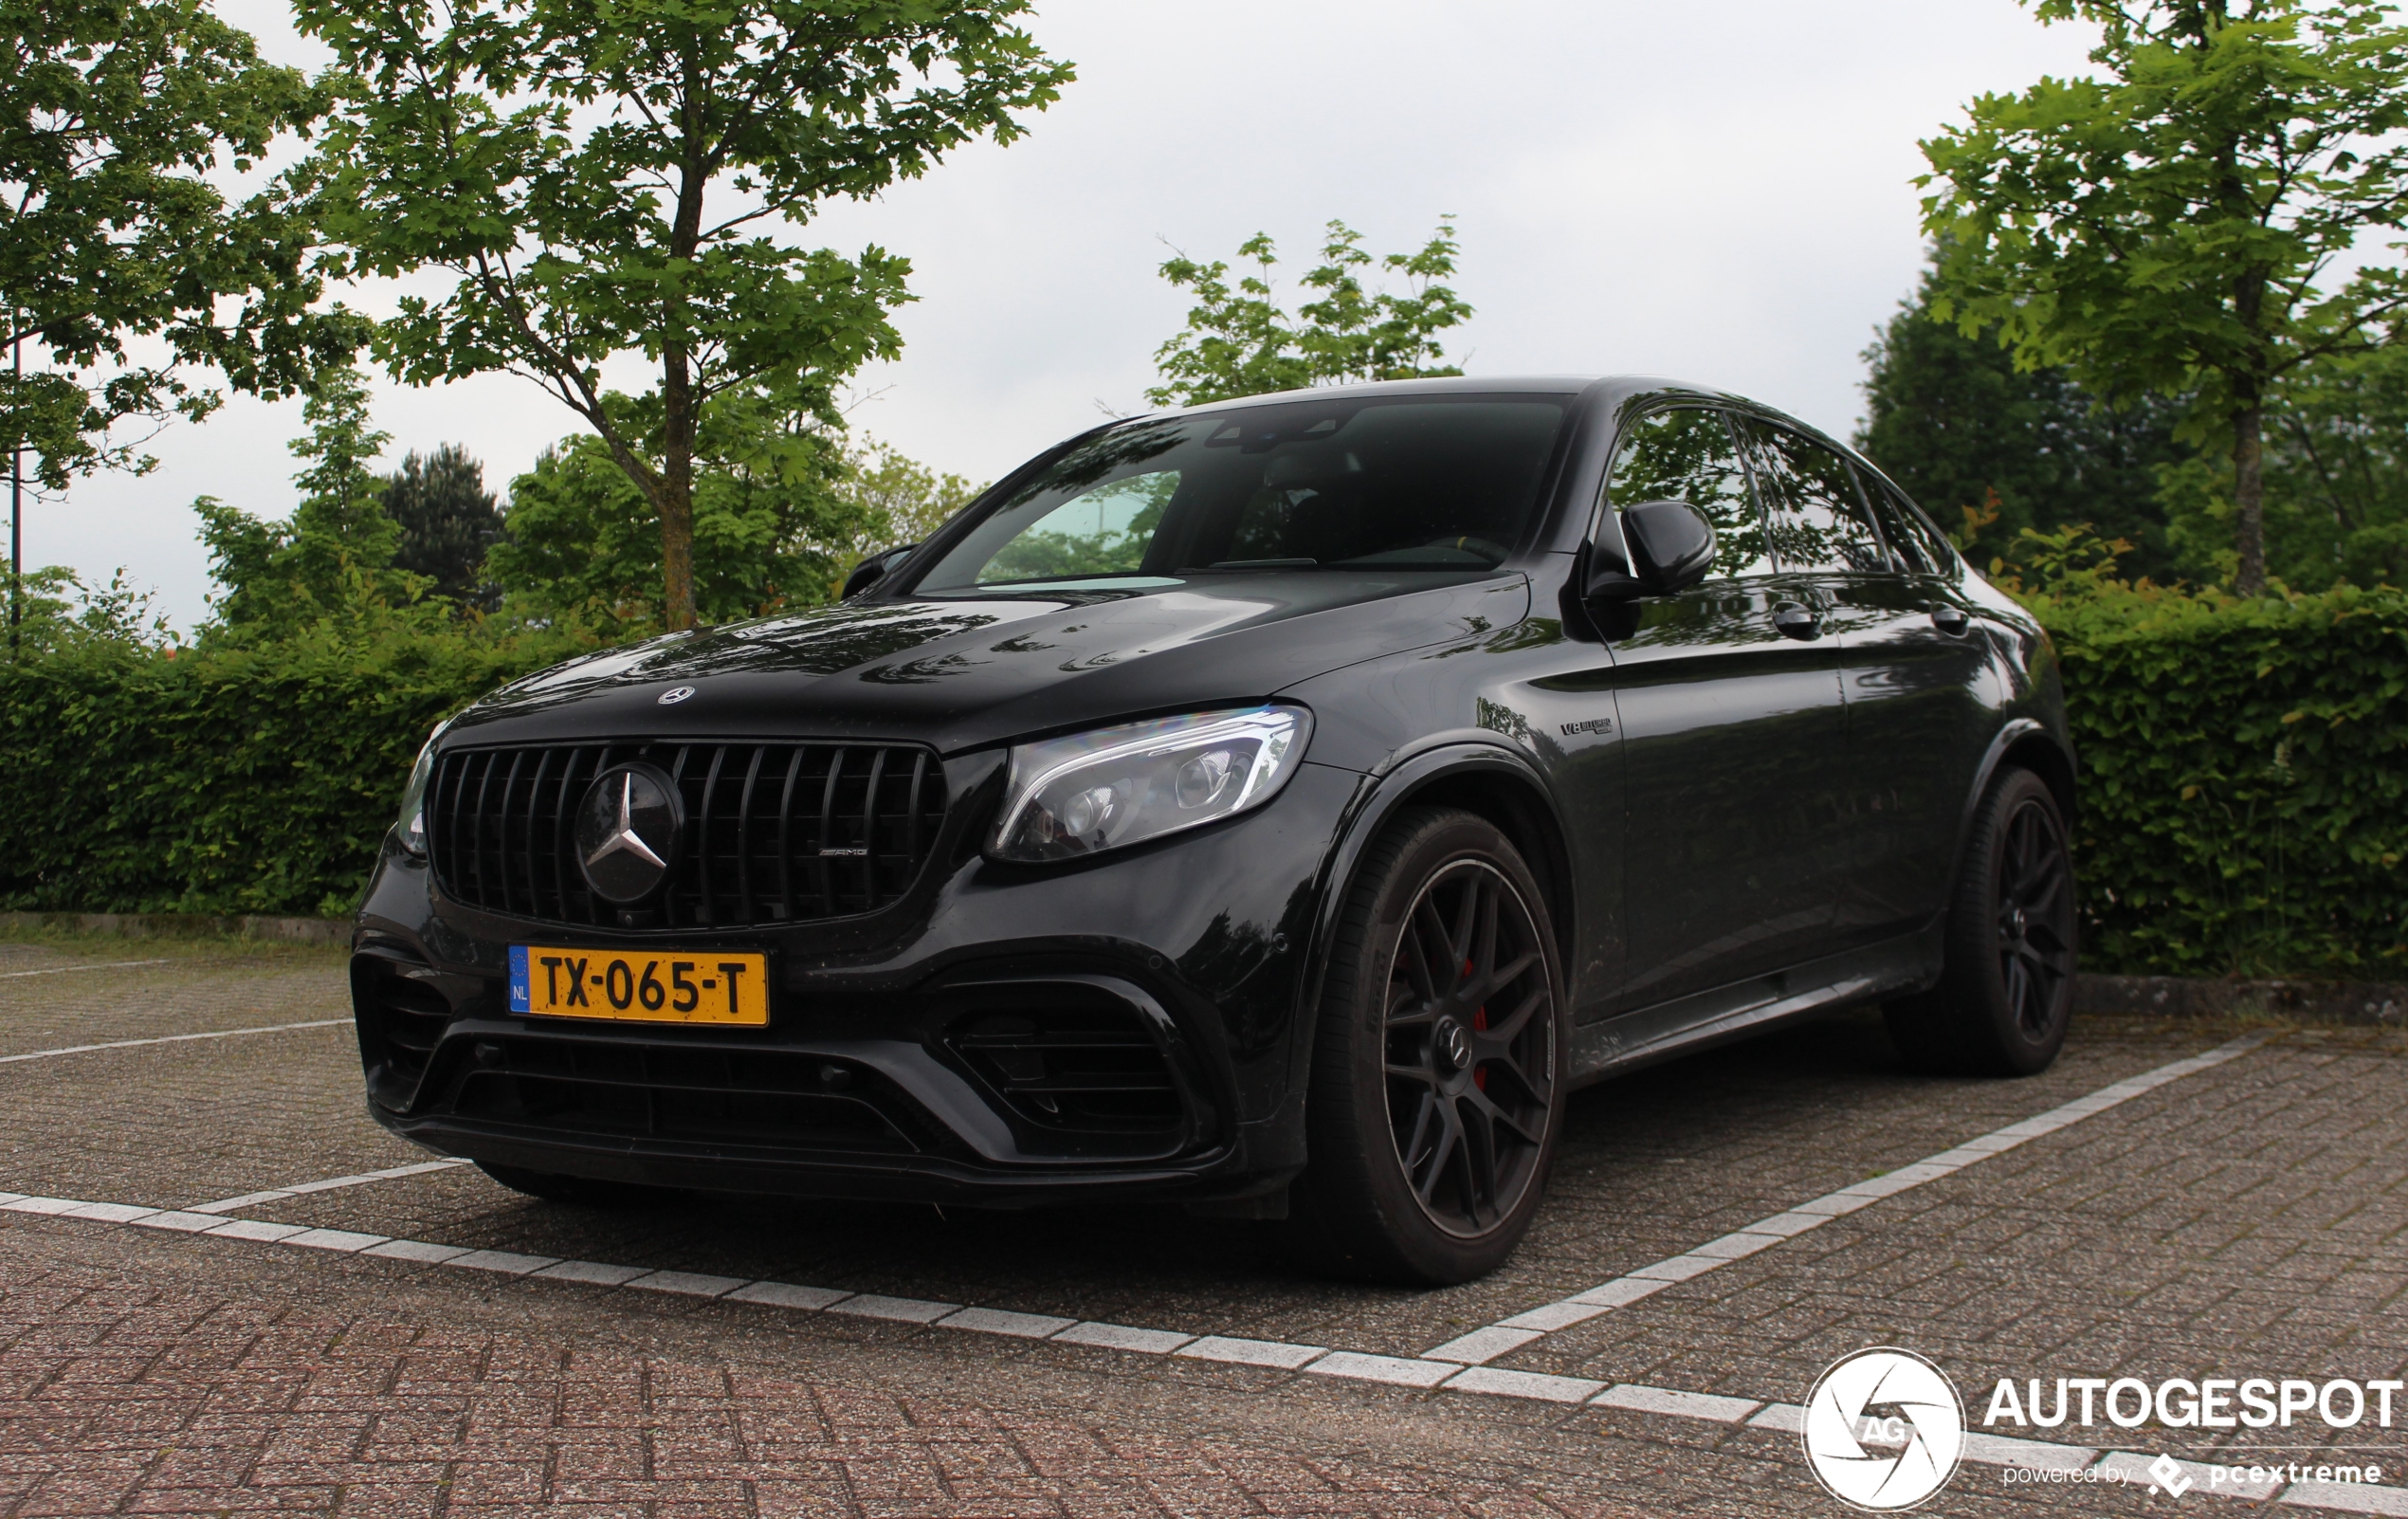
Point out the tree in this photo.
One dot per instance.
(601, 178)
(334, 557)
(1975, 437)
(582, 545)
(2336, 479)
(2181, 224)
(117, 118)
(896, 500)
(1239, 341)
(446, 520)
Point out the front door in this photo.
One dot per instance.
(1733, 735)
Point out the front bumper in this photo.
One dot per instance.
(1003, 1035)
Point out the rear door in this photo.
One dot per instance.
(1905, 675)
(1919, 718)
(1734, 743)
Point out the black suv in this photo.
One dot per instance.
(1279, 806)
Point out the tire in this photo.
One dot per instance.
(2006, 990)
(1429, 1128)
(580, 1191)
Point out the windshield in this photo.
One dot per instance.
(1443, 483)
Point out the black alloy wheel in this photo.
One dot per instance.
(2005, 994)
(1437, 1083)
(1471, 1077)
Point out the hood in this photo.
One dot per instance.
(965, 673)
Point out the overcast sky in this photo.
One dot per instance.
(1718, 189)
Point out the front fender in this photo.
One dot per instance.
(1377, 802)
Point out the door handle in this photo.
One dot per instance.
(1949, 620)
(1794, 621)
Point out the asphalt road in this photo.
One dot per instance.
(194, 1316)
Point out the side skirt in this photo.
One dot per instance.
(1703, 1019)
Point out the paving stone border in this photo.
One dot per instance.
(187, 925)
(2194, 996)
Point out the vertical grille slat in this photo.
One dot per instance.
(821, 875)
(705, 846)
(774, 830)
(869, 831)
(743, 838)
(786, 835)
(502, 830)
(529, 859)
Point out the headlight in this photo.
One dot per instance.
(1113, 786)
(412, 823)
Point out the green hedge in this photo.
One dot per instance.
(228, 780)
(2245, 773)
(2244, 779)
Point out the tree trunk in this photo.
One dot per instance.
(677, 491)
(2249, 496)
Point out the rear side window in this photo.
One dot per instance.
(1918, 546)
(1688, 455)
(1816, 519)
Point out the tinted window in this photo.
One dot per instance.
(1688, 455)
(1386, 485)
(1816, 519)
(1913, 540)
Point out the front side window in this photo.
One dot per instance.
(1818, 521)
(1688, 455)
(1442, 486)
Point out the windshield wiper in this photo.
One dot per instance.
(1251, 564)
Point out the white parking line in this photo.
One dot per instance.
(252, 1199)
(1484, 1344)
(62, 970)
(167, 1039)
(1665, 1402)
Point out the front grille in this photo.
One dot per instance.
(1077, 1069)
(775, 833)
(752, 1097)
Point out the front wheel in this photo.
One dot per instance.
(1437, 1077)
(2006, 994)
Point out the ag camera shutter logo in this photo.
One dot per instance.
(1884, 1429)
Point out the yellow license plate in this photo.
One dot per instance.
(675, 986)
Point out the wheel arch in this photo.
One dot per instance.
(2028, 744)
(1488, 780)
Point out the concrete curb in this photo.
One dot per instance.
(2185, 996)
(186, 925)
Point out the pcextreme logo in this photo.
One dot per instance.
(1884, 1429)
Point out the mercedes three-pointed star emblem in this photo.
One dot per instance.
(627, 832)
(625, 836)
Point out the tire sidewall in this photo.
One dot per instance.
(2026, 1054)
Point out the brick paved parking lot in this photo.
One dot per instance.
(188, 1324)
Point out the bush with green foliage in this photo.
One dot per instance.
(2244, 800)
(235, 777)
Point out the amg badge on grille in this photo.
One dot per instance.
(628, 830)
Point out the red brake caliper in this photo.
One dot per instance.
(1480, 1024)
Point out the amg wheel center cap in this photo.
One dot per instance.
(1452, 1044)
(628, 830)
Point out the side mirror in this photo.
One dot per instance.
(1671, 547)
(875, 569)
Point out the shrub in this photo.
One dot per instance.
(233, 777)
(2244, 777)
